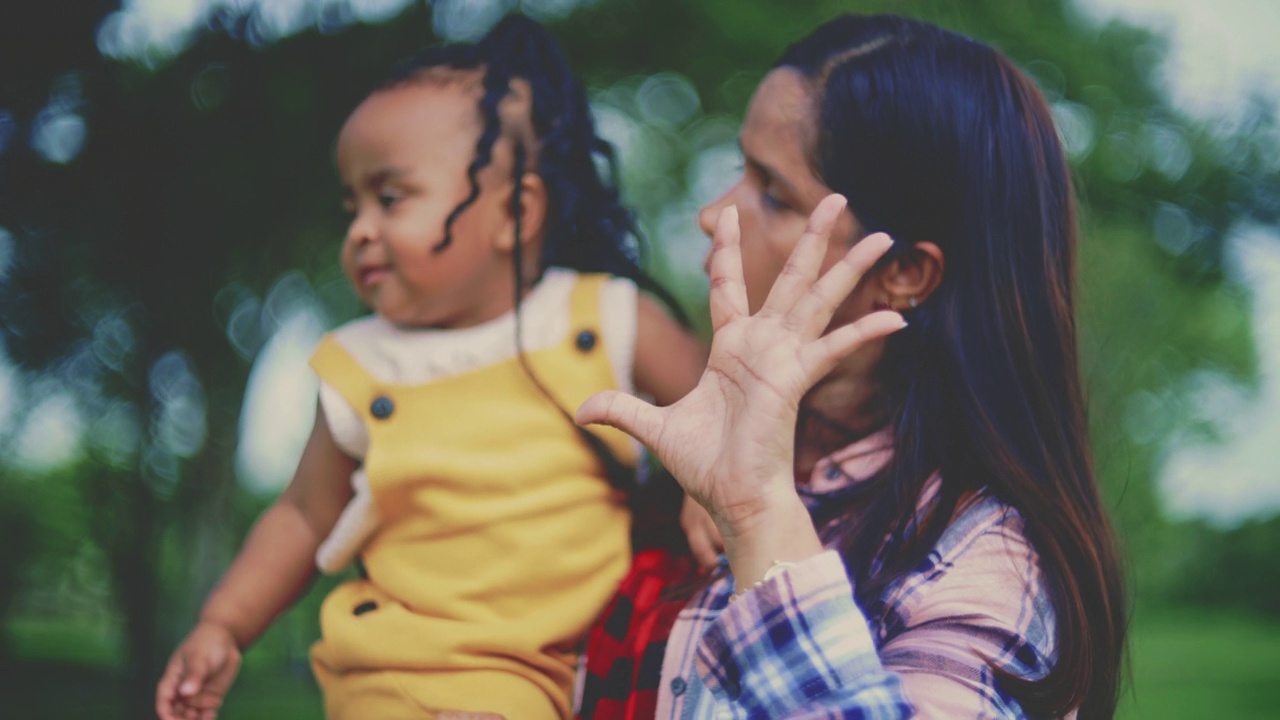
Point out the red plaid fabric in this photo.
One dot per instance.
(625, 649)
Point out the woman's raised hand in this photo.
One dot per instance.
(730, 441)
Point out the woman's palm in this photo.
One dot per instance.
(730, 441)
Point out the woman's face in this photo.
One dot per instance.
(778, 190)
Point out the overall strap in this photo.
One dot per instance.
(584, 302)
(335, 366)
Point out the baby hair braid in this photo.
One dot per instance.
(587, 227)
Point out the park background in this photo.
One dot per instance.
(169, 227)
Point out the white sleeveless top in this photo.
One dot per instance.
(416, 356)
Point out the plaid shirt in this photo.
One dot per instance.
(799, 646)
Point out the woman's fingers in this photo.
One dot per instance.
(728, 297)
(819, 356)
(802, 266)
(815, 308)
(627, 413)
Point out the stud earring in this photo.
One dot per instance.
(913, 302)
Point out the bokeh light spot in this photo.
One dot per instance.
(210, 86)
(1173, 227)
(667, 98)
(6, 253)
(58, 137)
(1075, 123)
(7, 128)
(51, 435)
(466, 19)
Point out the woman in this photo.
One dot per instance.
(909, 517)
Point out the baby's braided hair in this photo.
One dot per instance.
(587, 228)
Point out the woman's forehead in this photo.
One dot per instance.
(779, 123)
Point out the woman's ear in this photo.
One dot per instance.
(533, 215)
(913, 276)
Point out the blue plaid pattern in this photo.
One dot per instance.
(800, 647)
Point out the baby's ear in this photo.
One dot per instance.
(533, 214)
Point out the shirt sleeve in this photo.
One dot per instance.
(345, 426)
(798, 646)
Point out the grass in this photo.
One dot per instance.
(1185, 665)
(1203, 665)
(71, 671)
(49, 691)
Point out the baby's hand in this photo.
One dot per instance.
(198, 675)
(704, 539)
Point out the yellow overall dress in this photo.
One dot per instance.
(500, 540)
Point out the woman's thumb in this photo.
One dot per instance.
(629, 414)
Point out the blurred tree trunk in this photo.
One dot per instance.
(125, 525)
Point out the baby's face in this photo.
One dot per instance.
(403, 157)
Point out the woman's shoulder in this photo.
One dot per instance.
(983, 577)
(979, 519)
(984, 545)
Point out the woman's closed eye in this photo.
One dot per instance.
(772, 202)
(766, 185)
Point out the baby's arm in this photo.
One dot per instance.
(668, 363)
(669, 357)
(272, 569)
(357, 523)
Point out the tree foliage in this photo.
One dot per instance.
(137, 268)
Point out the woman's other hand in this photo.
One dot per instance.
(700, 530)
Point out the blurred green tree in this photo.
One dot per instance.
(148, 206)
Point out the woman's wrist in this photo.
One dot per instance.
(782, 532)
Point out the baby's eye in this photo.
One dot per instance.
(388, 200)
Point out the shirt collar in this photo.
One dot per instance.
(852, 464)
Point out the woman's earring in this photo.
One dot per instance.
(913, 302)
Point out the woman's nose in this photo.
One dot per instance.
(710, 212)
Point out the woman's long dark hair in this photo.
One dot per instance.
(933, 136)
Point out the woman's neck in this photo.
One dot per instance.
(837, 412)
